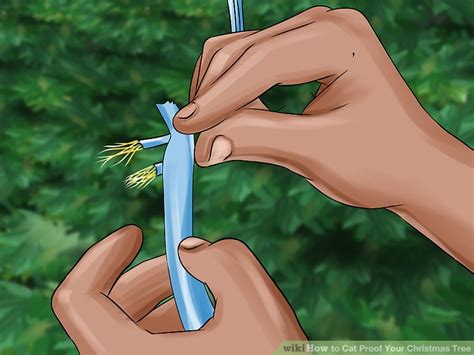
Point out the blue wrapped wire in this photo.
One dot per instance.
(191, 297)
(236, 15)
(154, 142)
(192, 300)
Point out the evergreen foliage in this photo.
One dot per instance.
(75, 75)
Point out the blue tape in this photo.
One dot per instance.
(193, 303)
(158, 169)
(154, 142)
(236, 15)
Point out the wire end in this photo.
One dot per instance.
(123, 151)
(141, 178)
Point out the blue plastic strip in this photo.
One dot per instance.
(193, 303)
(154, 142)
(236, 15)
(159, 169)
(240, 13)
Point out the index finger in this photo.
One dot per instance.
(102, 264)
(304, 51)
(140, 289)
(241, 84)
(81, 301)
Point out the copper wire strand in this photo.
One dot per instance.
(141, 178)
(124, 150)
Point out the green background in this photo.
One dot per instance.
(75, 75)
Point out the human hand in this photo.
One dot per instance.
(106, 311)
(364, 140)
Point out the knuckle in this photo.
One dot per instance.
(351, 16)
(350, 27)
(210, 45)
(61, 298)
(313, 12)
(213, 44)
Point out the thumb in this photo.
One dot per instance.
(250, 134)
(240, 284)
(228, 267)
(259, 135)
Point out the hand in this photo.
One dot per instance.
(104, 310)
(364, 140)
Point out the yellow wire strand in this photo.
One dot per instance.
(124, 151)
(141, 178)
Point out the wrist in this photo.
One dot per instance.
(437, 198)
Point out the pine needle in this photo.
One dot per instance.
(124, 151)
(141, 178)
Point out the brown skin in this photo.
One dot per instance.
(104, 310)
(364, 140)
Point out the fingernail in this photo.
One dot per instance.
(191, 243)
(187, 111)
(220, 151)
